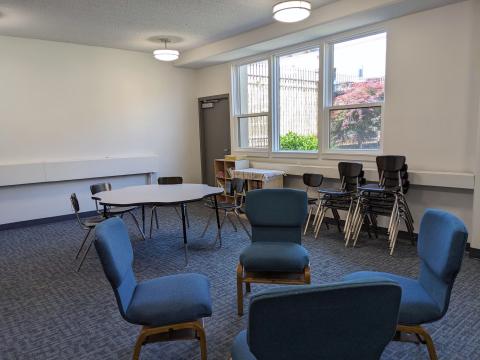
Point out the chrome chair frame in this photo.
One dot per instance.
(168, 180)
(386, 199)
(312, 181)
(109, 211)
(87, 224)
(234, 208)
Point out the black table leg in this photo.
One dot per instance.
(185, 242)
(218, 218)
(143, 218)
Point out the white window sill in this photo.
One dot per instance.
(295, 154)
(252, 152)
(350, 155)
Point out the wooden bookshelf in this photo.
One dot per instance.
(223, 177)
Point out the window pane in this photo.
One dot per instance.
(253, 87)
(253, 132)
(359, 70)
(298, 100)
(355, 129)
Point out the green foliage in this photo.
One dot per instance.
(294, 141)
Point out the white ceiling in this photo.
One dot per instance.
(131, 24)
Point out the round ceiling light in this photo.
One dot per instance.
(291, 11)
(166, 54)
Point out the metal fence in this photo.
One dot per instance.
(298, 101)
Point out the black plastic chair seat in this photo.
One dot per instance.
(334, 192)
(312, 200)
(375, 188)
(117, 210)
(92, 221)
(220, 205)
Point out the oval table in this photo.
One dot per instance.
(158, 195)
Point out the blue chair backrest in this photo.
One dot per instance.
(276, 214)
(116, 255)
(348, 320)
(441, 245)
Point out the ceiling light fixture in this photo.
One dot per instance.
(291, 11)
(166, 54)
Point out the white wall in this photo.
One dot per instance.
(62, 101)
(430, 111)
(475, 236)
(213, 80)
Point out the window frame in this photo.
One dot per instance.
(236, 114)
(328, 45)
(325, 73)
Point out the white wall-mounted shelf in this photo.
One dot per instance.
(459, 180)
(76, 169)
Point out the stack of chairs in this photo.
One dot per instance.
(351, 177)
(312, 183)
(387, 198)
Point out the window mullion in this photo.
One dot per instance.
(354, 106)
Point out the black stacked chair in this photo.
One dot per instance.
(387, 198)
(312, 183)
(167, 180)
(234, 208)
(351, 177)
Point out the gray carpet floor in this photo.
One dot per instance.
(48, 311)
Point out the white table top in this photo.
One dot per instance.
(156, 194)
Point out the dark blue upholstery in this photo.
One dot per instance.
(240, 349)
(276, 216)
(162, 301)
(116, 255)
(333, 321)
(274, 256)
(441, 244)
(417, 307)
(170, 299)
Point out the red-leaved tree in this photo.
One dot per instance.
(360, 125)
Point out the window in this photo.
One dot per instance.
(355, 93)
(296, 120)
(252, 104)
(280, 100)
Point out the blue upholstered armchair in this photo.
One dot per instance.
(441, 244)
(275, 254)
(333, 321)
(166, 306)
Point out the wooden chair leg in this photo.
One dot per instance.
(197, 326)
(425, 336)
(239, 289)
(203, 340)
(306, 274)
(138, 344)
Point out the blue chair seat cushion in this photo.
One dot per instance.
(416, 305)
(267, 256)
(240, 349)
(170, 300)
